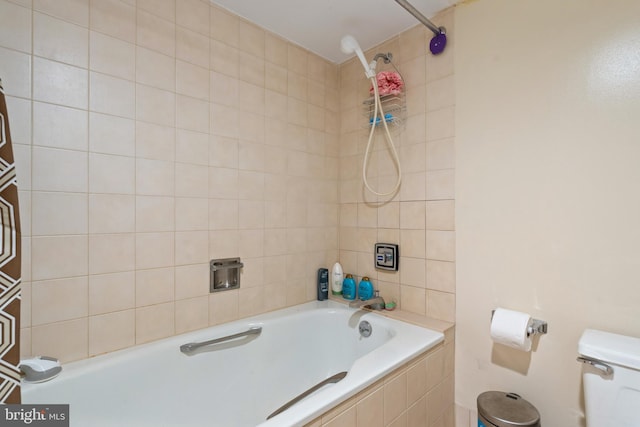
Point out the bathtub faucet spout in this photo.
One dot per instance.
(376, 303)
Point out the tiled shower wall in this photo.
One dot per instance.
(151, 136)
(420, 217)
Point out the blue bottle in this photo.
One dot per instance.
(349, 288)
(365, 289)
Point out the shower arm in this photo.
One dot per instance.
(420, 17)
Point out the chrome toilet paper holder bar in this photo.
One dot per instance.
(536, 326)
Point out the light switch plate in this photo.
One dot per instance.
(386, 256)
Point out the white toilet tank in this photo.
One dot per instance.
(612, 397)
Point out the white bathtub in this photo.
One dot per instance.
(240, 383)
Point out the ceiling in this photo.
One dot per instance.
(320, 25)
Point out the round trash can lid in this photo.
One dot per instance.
(507, 409)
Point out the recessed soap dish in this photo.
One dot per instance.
(224, 274)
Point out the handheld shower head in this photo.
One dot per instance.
(349, 44)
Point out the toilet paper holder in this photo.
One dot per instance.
(536, 327)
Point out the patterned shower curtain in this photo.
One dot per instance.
(10, 265)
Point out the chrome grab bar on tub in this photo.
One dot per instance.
(598, 364)
(191, 347)
(333, 379)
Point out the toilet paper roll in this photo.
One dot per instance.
(509, 327)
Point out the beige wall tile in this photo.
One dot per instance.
(155, 33)
(413, 299)
(155, 141)
(251, 301)
(15, 26)
(370, 410)
(251, 243)
(155, 213)
(441, 245)
(223, 214)
(223, 183)
(192, 281)
(192, 113)
(441, 154)
(395, 397)
(192, 80)
(114, 18)
(111, 135)
(16, 68)
(154, 322)
(417, 381)
(440, 215)
(111, 292)
(413, 187)
(59, 83)
(191, 180)
(412, 215)
(165, 9)
(413, 243)
(417, 414)
(191, 247)
(440, 124)
(192, 147)
(441, 276)
(223, 307)
(224, 89)
(412, 158)
(59, 127)
(154, 177)
(225, 26)
(111, 174)
(155, 105)
(67, 340)
(154, 286)
(154, 250)
(224, 58)
(276, 50)
(112, 95)
(111, 253)
(347, 418)
(440, 185)
(192, 47)
(59, 40)
(59, 213)
(112, 331)
(441, 93)
(441, 305)
(192, 314)
(59, 256)
(413, 271)
(59, 300)
(297, 59)
(155, 69)
(191, 213)
(250, 185)
(76, 11)
(251, 214)
(251, 39)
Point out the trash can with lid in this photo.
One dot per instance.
(499, 409)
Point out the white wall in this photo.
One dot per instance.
(547, 188)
